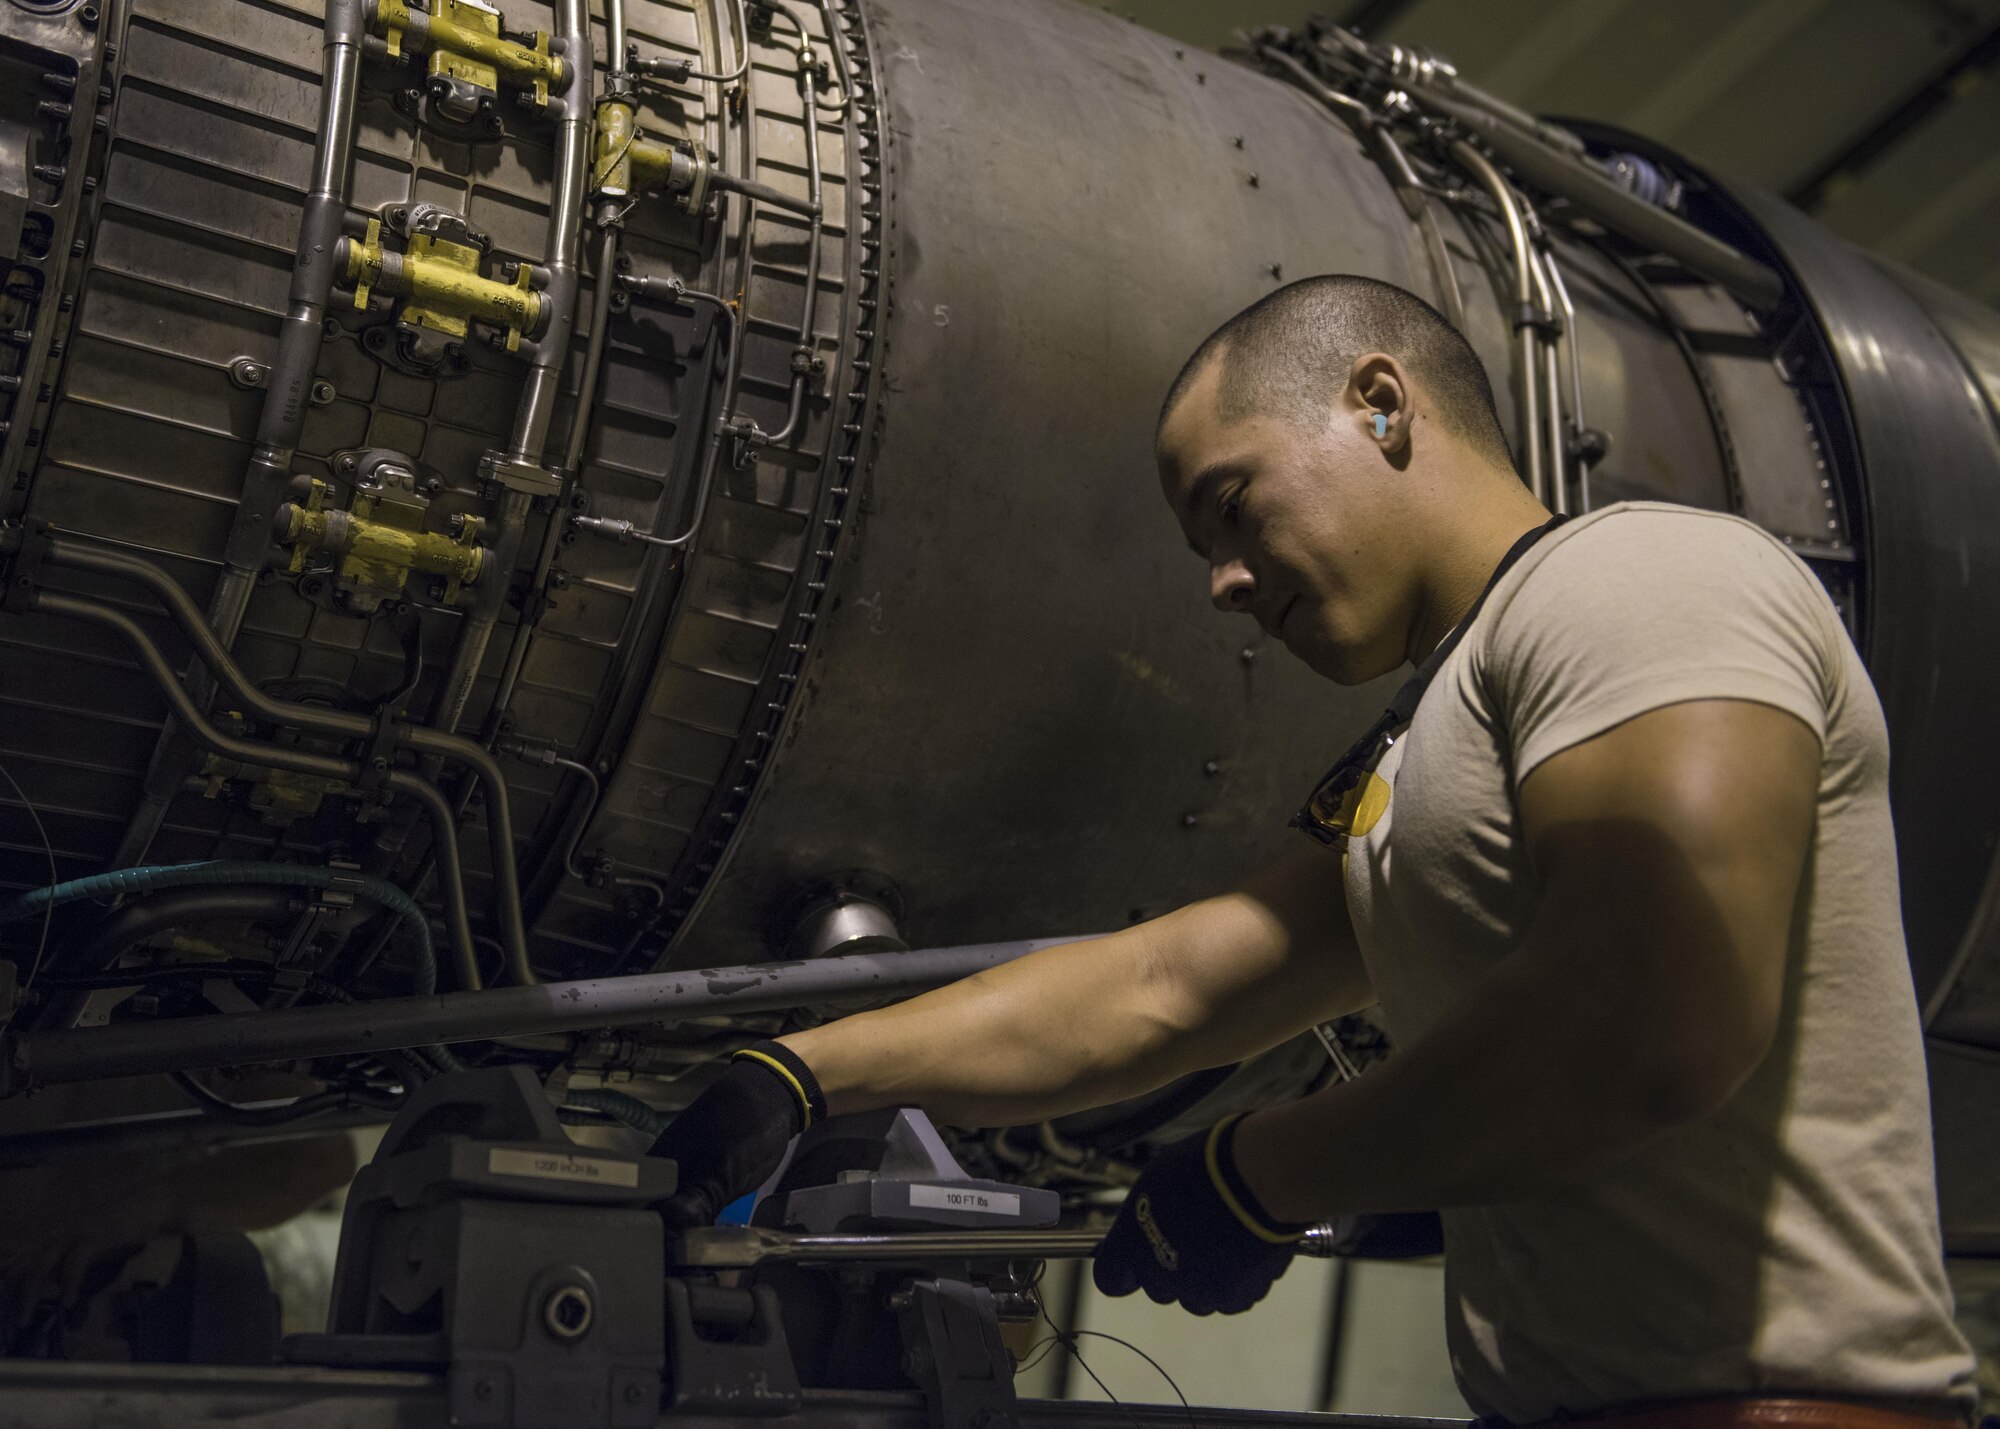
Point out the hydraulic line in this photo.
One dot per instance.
(531, 423)
(261, 754)
(133, 921)
(67, 551)
(1573, 351)
(288, 393)
(232, 874)
(673, 290)
(1527, 335)
(620, 1107)
(743, 52)
(802, 355)
(1552, 417)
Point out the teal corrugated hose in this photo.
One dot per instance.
(620, 1107)
(231, 874)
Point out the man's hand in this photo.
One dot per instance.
(733, 1136)
(1191, 1231)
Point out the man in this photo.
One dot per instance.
(1625, 889)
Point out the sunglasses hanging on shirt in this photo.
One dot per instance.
(1328, 812)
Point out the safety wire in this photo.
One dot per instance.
(48, 909)
(1068, 1338)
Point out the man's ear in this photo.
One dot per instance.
(1377, 399)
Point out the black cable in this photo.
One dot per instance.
(1068, 1339)
(301, 1109)
(49, 848)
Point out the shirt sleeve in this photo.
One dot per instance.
(1646, 609)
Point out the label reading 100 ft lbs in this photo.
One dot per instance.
(964, 1198)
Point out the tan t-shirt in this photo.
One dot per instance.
(1790, 1240)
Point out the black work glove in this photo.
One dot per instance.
(1191, 1231)
(733, 1136)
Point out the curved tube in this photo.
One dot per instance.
(796, 408)
(1527, 354)
(256, 752)
(743, 52)
(1572, 350)
(674, 291)
(1552, 418)
(227, 874)
(128, 923)
(620, 1107)
(339, 723)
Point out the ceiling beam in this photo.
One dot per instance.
(1938, 90)
(1369, 18)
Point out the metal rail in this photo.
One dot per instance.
(295, 1034)
(740, 1247)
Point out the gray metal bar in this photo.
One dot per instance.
(739, 1247)
(1595, 196)
(234, 1039)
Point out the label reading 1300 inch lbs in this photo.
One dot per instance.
(554, 1166)
(965, 1198)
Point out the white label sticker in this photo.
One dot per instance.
(964, 1198)
(553, 1166)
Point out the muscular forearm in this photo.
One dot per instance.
(1062, 1028)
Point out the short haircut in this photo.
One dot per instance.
(1288, 355)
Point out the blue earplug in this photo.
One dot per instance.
(1381, 425)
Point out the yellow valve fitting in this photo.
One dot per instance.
(653, 165)
(617, 131)
(379, 554)
(627, 162)
(442, 285)
(463, 40)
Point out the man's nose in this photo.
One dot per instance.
(1230, 585)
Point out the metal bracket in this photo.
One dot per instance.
(22, 577)
(380, 756)
(953, 1350)
(727, 1352)
(524, 476)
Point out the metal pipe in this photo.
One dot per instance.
(293, 1034)
(743, 50)
(1527, 338)
(276, 756)
(1572, 349)
(1552, 417)
(1595, 196)
(673, 290)
(539, 391)
(287, 395)
(341, 724)
(801, 380)
(740, 1247)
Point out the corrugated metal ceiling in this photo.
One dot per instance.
(1880, 116)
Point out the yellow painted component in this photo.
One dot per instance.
(381, 543)
(463, 40)
(443, 286)
(651, 163)
(617, 131)
(364, 263)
